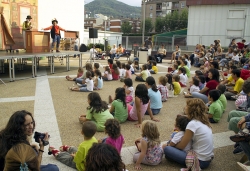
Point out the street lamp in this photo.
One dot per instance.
(144, 13)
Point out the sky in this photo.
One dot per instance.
(129, 2)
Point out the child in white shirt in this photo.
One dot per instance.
(235, 58)
(87, 84)
(107, 74)
(183, 76)
(194, 87)
(181, 123)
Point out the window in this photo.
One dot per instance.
(151, 8)
(236, 13)
(182, 4)
(234, 33)
(151, 15)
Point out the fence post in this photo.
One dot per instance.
(173, 42)
(126, 42)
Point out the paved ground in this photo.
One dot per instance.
(56, 110)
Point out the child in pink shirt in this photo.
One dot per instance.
(128, 72)
(128, 85)
(141, 105)
(115, 138)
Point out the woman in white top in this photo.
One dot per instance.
(76, 45)
(198, 131)
(113, 52)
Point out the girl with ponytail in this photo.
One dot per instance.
(154, 95)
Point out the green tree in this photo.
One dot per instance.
(148, 25)
(126, 27)
(184, 19)
(159, 24)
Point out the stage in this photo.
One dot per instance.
(22, 56)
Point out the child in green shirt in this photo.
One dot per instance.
(76, 157)
(223, 99)
(215, 108)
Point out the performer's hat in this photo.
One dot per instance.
(28, 17)
(54, 20)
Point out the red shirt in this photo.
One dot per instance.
(114, 75)
(57, 28)
(240, 45)
(211, 85)
(110, 66)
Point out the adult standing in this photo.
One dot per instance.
(148, 43)
(198, 131)
(76, 45)
(26, 26)
(55, 34)
(93, 52)
(213, 75)
(20, 126)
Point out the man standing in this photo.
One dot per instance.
(148, 42)
(55, 34)
(76, 45)
(26, 26)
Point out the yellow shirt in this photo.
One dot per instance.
(230, 80)
(155, 69)
(119, 50)
(26, 26)
(177, 88)
(238, 85)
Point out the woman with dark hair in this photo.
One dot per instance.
(20, 126)
(104, 157)
(213, 75)
(233, 44)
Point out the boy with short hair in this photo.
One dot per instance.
(154, 69)
(215, 108)
(223, 99)
(76, 157)
(237, 87)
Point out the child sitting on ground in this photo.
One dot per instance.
(115, 138)
(136, 66)
(140, 106)
(97, 111)
(107, 76)
(98, 84)
(119, 107)
(78, 75)
(183, 77)
(216, 107)
(154, 69)
(149, 64)
(96, 66)
(202, 80)
(222, 88)
(76, 157)
(121, 68)
(149, 146)
(170, 85)
(129, 89)
(154, 96)
(143, 75)
(87, 84)
(181, 123)
(89, 68)
(115, 72)
(127, 73)
(110, 63)
(131, 67)
(194, 87)
(176, 84)
(163, 88)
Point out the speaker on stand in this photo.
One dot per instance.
(93, 34)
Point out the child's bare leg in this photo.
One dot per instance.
(74, 89)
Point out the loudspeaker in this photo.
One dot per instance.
(83, 48)
(93, 33)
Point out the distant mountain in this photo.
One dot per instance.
(113, 8)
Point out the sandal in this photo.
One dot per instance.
(64, 148)
(136, 142)
(53, 151)
(240, 137)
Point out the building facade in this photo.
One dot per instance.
(209, 20)
(160, 8)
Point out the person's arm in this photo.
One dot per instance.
(185, 139)
(47, 28)
(60, 28)
(151, 114)
(205, 89)
(41, 149)
(138, 111)
(112, 109)
(143, 152)
(24, 26)
(128, 92)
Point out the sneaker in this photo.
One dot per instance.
(238, 150)
(236, 144)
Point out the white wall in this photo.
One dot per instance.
(70, 14)
(209, 22)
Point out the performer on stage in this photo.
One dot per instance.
(55, 34)
(26, 26)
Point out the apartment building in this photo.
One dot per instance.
(160, 8)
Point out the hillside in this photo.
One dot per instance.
(112, 8)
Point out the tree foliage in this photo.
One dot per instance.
(172, 21)
(148, 25)
(126, 27)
